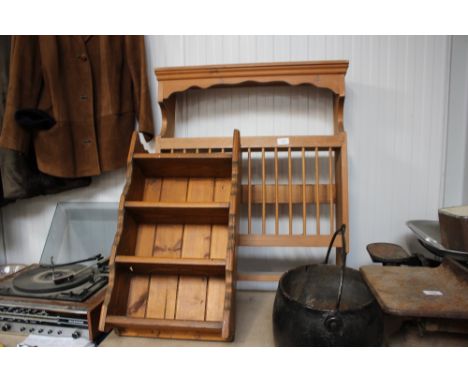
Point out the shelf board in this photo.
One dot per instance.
(184, 165)
(269, 143)
(180, 213)
(156, 324)
(179, 155)
(179, 266)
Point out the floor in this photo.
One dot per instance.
(254, 328)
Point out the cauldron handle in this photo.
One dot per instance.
(341, 230)
(333, 322)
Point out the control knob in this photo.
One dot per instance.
(6, 327)
(76, 334)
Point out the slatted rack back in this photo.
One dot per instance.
(172, 267)
(322, 160)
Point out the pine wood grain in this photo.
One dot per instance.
(219, 242)
(195, 267)
(139, 284)
(167, 244)
(191, 299)
(138, 323)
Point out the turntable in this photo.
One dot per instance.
(63, 298)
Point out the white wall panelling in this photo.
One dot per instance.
(465, 185)
(395, 116)
(456, 169)
(27, 222)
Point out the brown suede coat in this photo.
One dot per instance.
(94, 86)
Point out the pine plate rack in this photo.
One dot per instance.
(173, 261)
(328, 154)
(172, 267)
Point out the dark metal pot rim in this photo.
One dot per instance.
(314, 309)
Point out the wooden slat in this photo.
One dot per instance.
(290, 191)
(304, 211)
(196, 206)
(183, 166)
(287, 241)
(139, 284)
(134, 190)
(218, 250)
(279, 193)
(276, 194)
(330, 192)
(262, 277)
(183, 213)
(138, 291)
(171, 334)
(297, 142)
(174, 266)
(233, 227)
(118, 301)
(167, 244)
(263, 192)
(185, 155)
(342, 208)
(157, 324)
(191, 298)
(317, 182)
(149, 194)
(249, 192)
(134, 148)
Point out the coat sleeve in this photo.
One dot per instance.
(24, 88)
(136, 59)
(5, 48)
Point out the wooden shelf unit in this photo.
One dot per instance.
(330, 150)
(172, 267)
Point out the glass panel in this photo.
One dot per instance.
(3, 257)
(79, 231)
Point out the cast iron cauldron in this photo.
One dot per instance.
(326, 305)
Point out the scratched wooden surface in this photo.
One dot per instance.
(180, 297)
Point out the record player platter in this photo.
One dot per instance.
(74, 282)
(60, 301)
(63, 294)
(47, 280)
